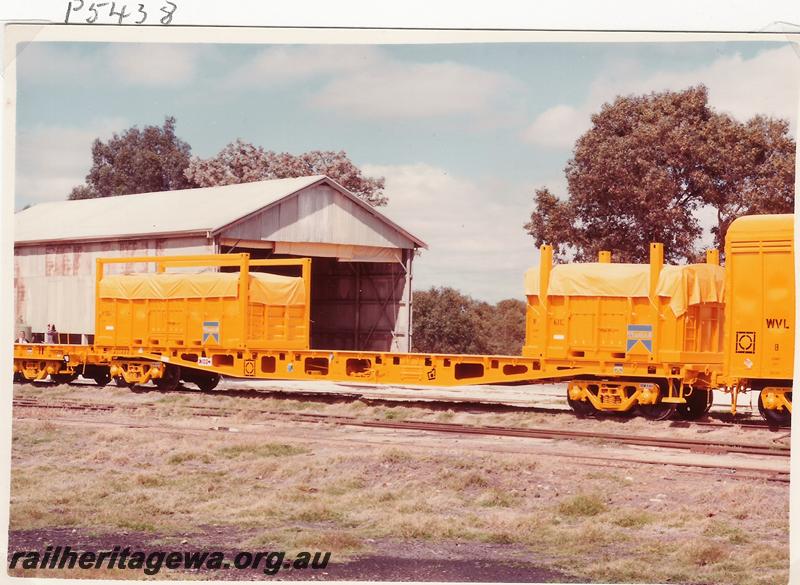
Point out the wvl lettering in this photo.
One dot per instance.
(777, 324)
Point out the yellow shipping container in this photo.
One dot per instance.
(628, 321)
(626, 313)
(202, 310)
(759, 349)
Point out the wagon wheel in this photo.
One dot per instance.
(697, 405)
(102, 378)
(62, 378)
(781, 418)
(581, 407)
(657, 411)
(120, 381)
(170, 380)
(206, 382)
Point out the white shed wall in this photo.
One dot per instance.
(319, 214)
(55, 283)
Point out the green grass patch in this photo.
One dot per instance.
(398, 413)
(178, 458)
(633, 519)
(262, 450)
(582, 505)
(732, 534)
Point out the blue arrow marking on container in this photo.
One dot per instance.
(211, 330)
(640, 334)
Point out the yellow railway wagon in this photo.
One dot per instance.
(167, 327)
(193, 314)
(653, 333)
(653, 338)
(199, 310)
(759, 347)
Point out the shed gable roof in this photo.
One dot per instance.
(205, 210)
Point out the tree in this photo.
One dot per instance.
(242, 162)
(649, 163)
(504, 328)
(137, 161)
(447, 321)
(759, 174)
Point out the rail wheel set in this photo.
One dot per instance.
(651, 339)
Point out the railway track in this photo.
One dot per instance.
(714, 468)
(439, 403)
(705, 446)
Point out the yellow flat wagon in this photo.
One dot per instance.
(624, 336)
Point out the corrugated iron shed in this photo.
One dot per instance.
(361, 274)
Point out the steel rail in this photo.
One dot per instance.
(709, 445)
(727, 471)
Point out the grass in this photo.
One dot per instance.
(498, 498)
(582, 505)
(732, 534)
(318, 494)
(257, 450)
(398, 413)
(633, 518)
(184, 457)
(702, 553)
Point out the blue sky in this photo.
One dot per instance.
(463, 133)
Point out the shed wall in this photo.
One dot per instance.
(319, 214)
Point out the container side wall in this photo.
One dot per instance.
(761, 311)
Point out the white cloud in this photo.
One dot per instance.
(768, 83)
(145, 64)
(153, 64)
(51, 160)
(474, 229)
(557, 127)
(413, 90)
(288, 65)
(707, 217)
(48, 63)
(366, 82)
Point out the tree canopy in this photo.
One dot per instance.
(137, 161)
(448, 321)
(242, 162)
(646, 167)
(155, 159)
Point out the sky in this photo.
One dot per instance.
(462, 133)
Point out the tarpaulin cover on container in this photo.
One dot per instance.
(683, 285)
(265, 288)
